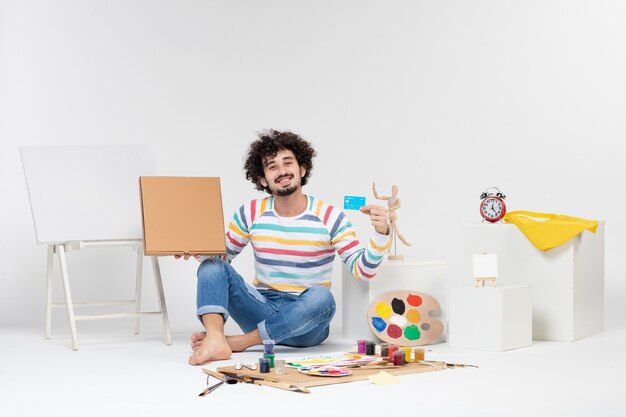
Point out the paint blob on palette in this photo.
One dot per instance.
(326, 370)
(405, 318)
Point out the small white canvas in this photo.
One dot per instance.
(486, 265)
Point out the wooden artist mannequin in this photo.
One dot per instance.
(393, 204)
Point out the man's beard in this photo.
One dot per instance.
(284, 192)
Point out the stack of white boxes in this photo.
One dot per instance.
(567, 288)
(556, 295)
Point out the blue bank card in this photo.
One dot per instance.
(352, 202)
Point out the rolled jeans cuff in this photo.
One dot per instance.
(263, 331)
(212, 309)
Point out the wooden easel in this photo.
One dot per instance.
(485, 279)
(70, 189)
(61, 249)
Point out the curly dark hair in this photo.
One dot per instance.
(268, 144)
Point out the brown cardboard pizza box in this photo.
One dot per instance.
(182, 215)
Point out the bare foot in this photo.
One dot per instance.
(210, 349)
(238, 343)
(196, 338)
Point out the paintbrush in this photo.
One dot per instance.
(262, 381)
(372, 365)
(449, 365)
(222, 378)
(460, 365)
(281, 385)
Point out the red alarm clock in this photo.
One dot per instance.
(492, 206)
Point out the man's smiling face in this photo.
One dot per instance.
(282, 173)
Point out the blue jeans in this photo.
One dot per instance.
(300, 320)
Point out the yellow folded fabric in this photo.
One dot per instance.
(547, 231)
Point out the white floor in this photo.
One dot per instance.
(118, 374)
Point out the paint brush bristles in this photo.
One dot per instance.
(460, 365)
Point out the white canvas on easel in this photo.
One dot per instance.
(87, 196)
(85, 192)
(485, 268)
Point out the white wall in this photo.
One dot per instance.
(443, 98)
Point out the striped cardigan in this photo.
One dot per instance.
(295, 253)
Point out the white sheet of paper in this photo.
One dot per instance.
(383, 378)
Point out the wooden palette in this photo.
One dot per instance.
(292, 376)
(405, 318)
